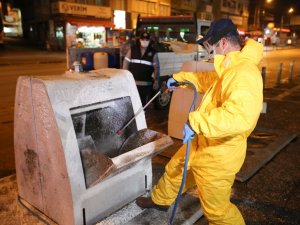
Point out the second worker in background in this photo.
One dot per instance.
(141, 60)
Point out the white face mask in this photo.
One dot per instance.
(211, 49)
(144, 43)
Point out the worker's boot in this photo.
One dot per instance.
(148, 203)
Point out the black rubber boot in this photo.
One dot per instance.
(147, 203)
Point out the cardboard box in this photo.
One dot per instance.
(182, 99)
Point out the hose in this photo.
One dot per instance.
(187, 152)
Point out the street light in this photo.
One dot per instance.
(290, 11)
(262, 12)
(264, 7)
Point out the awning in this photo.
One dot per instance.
(89, 22)
(256, 33)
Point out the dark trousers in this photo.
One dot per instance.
(145, 93)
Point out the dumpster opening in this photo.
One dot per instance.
(101, 122)
(95, 126)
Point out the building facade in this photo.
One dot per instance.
(56, 24)
(236, 10)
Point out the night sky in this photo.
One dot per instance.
(281, 7)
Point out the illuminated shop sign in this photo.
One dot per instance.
(120, 19)
(81, 9)
(74, 9)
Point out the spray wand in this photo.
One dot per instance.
(121, 131)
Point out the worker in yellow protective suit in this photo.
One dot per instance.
(220, 126)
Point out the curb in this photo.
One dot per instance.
(27, 63)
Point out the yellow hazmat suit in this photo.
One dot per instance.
(225, 118)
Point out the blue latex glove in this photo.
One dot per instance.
(188, 133)
(169, 82)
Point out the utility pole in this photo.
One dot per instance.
(281, 27)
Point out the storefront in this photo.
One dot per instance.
(12, 23)
(78, 25)
(88, 33)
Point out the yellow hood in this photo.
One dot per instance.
(252, 51)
